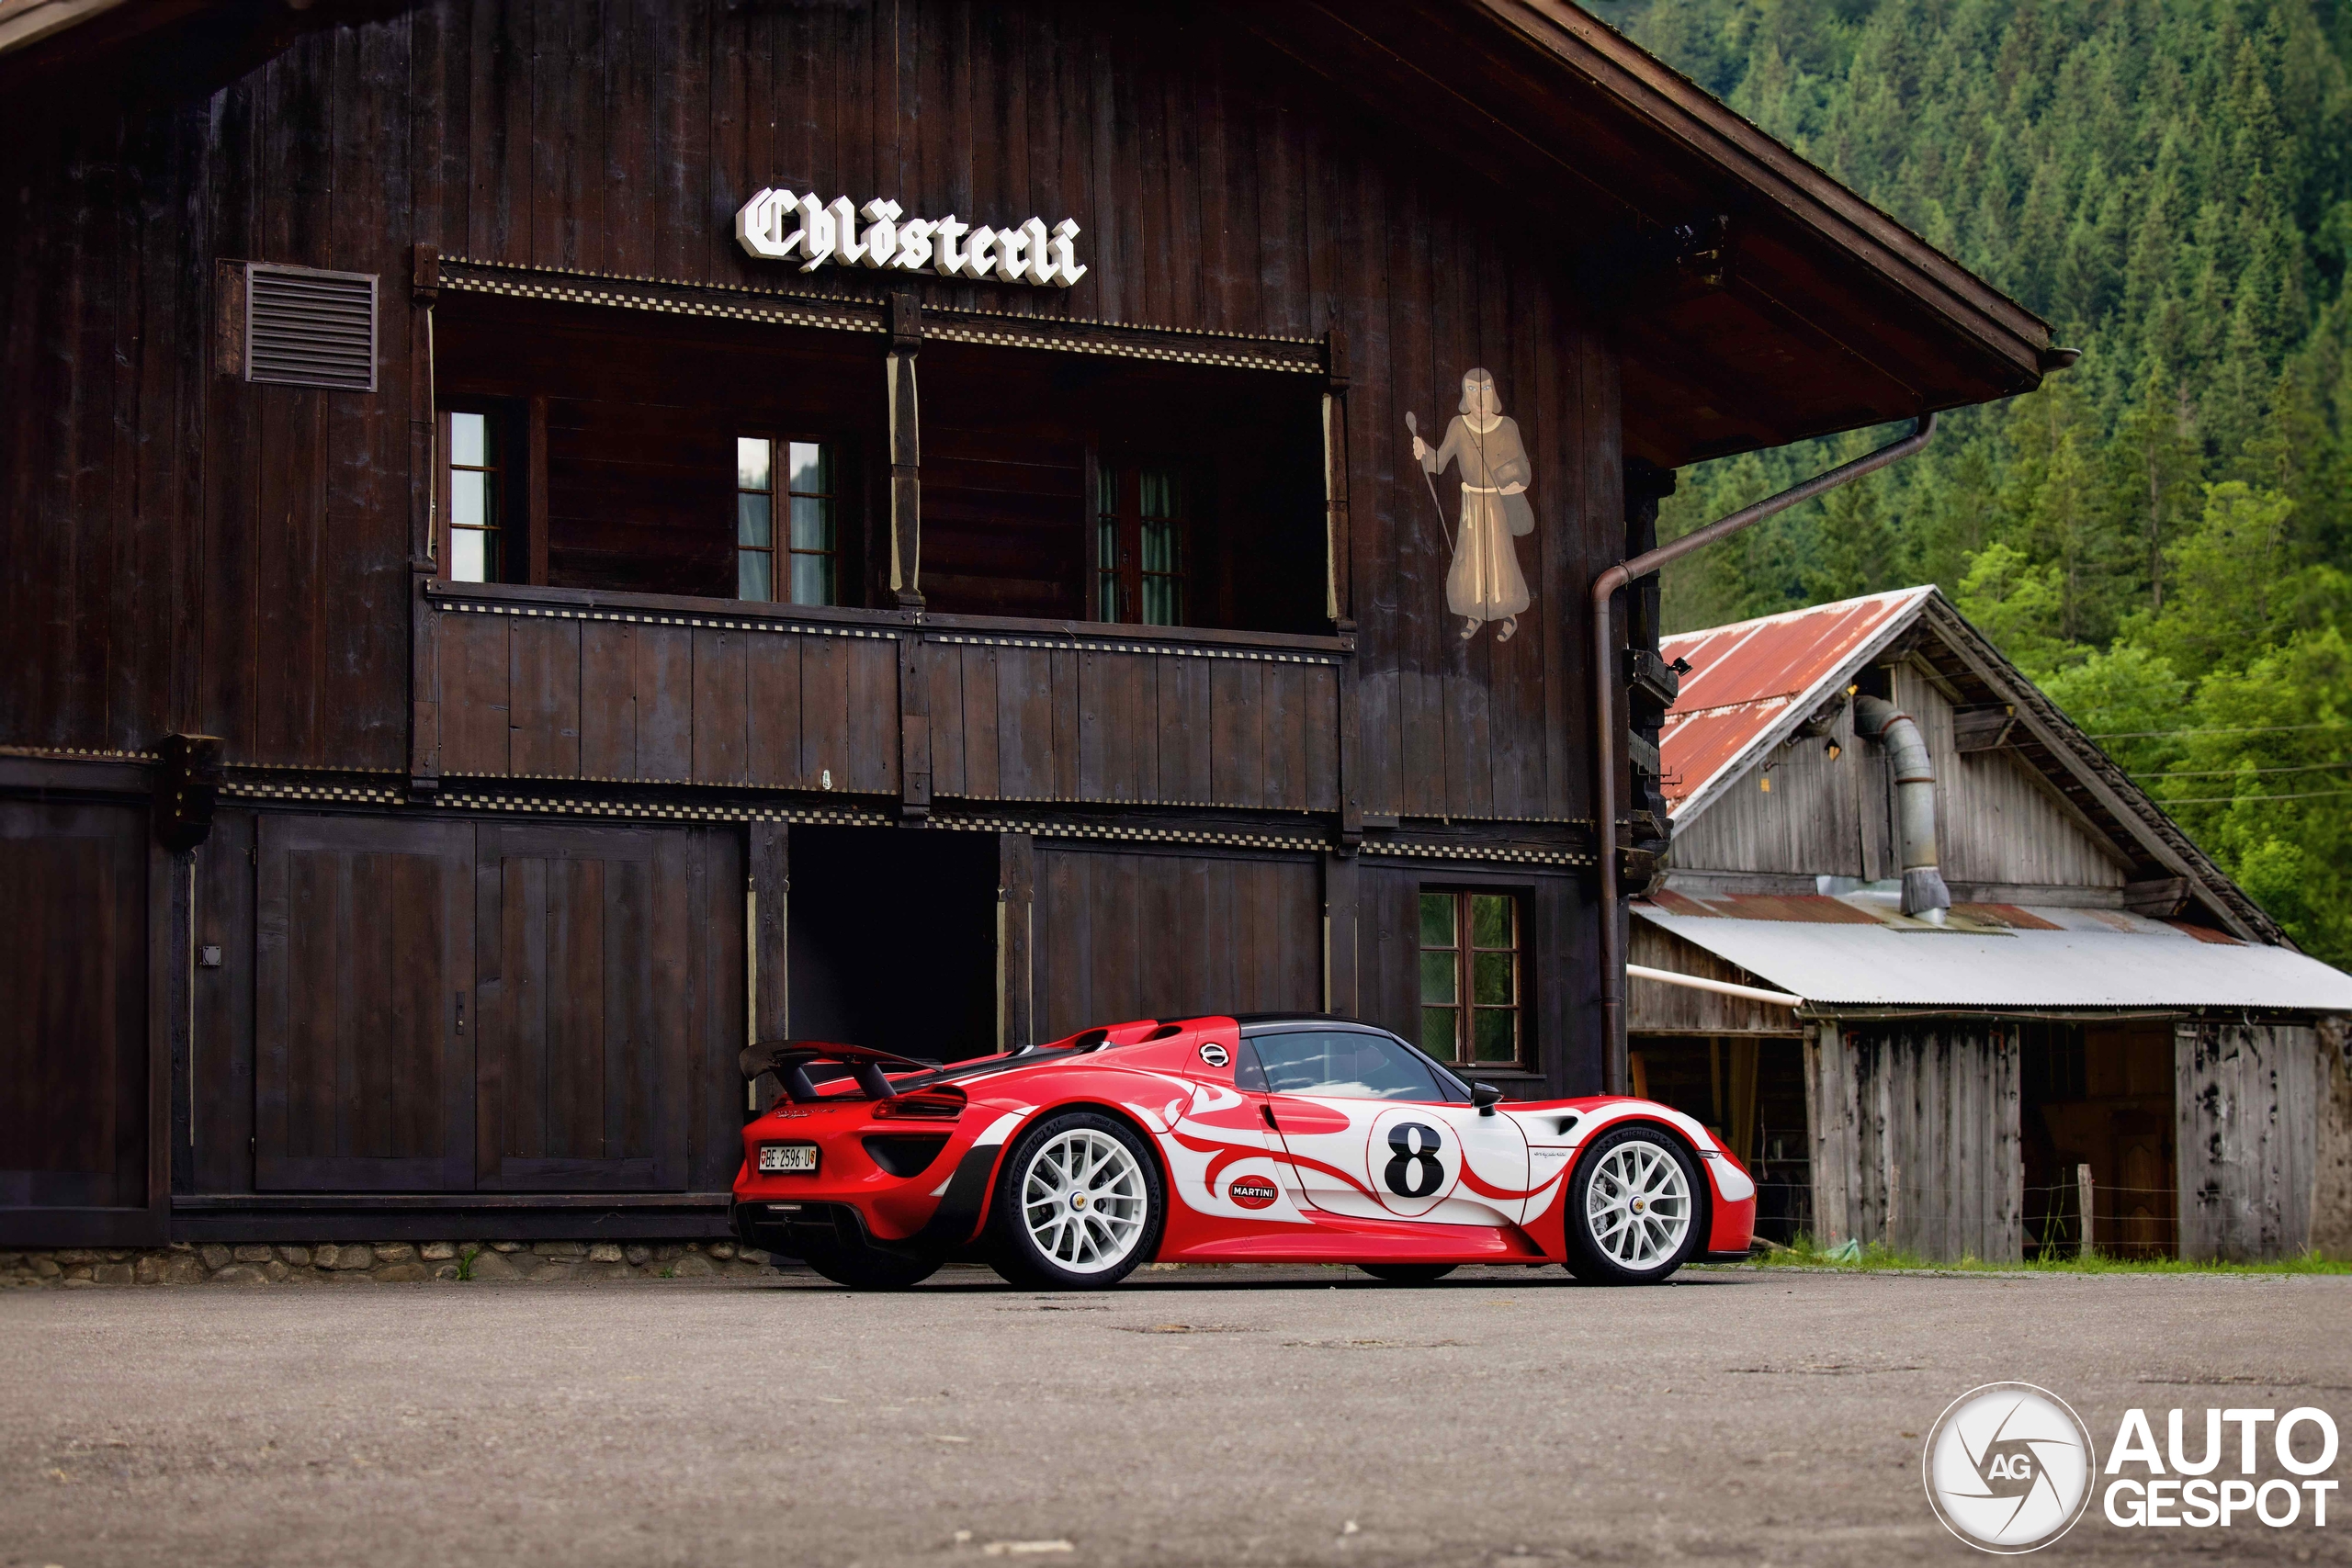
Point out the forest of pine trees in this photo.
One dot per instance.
(2163, 535)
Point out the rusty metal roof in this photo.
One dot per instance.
(1751, 681)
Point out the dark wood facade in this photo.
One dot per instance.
(504, 874)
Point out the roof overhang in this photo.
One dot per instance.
(1876, 964)
(1827, 314)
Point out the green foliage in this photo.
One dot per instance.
(2162, 536)
(1878, 1257)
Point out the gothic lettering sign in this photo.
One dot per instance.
(777, 225)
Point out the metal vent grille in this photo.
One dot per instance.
(307, 328)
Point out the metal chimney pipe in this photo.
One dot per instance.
(1924, 892)
(1604, 710)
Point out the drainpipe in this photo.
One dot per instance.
(1924, 892)
(1604, 710)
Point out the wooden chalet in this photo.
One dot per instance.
(550, 539)
(2095, 1012)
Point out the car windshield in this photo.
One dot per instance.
(1338, 1064)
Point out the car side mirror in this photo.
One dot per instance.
(1484, 1096)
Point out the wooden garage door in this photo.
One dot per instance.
(363, 983)
(1122, 934)
(583, 970)
(73, 1079)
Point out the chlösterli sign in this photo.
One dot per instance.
(777, 225)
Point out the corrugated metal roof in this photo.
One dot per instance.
(1747, 678)
(2066, 958)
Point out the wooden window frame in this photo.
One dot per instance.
(780, 549)
(517, 432)
(1124, 471)
(1464, 951)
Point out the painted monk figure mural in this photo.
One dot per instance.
(1484, 583)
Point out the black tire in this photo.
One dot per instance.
(1409, 1273)
(1016, 1253)
(1594, 1254)
(869, 1269)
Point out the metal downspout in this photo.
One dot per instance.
(1605, 721)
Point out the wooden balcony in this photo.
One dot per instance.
(556, 683)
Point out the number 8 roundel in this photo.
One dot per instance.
(1415, 1160)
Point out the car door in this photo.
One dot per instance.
(1375, 1132)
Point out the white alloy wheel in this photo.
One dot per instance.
(1638, 1205)
(1083, 1200)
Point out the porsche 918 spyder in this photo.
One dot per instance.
(1290, 1139)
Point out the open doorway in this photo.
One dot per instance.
(891, 938)
(2099, 1095)
(1748, 1090)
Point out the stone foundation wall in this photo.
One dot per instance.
(392, 1262)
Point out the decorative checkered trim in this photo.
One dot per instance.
(1390, 849)
(79, 754)
(1078, 341)
(1074, 644)
(1076, 334)
(600, 289)
(329, 793)
(652, 618)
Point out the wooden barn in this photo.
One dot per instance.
(550, 539)
(1972, 983)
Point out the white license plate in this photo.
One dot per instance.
(788, 1158)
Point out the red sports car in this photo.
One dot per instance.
(1218, 1139)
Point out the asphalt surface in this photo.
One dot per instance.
(1194, 1417)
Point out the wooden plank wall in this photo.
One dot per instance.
(1996, 823)
(1123, 934)
(1916, 1136)
(189, 551)
(74, 1027)
(2331, 1231)
(2247, 1097)
(1654, 1008)
(599, 972)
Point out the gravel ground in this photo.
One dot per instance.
(1193, 1416)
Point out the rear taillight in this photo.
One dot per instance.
(930, 1105)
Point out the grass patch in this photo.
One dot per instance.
(1805, 1253)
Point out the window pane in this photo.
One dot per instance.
(751, 569)
(1159, 547)
(1437, 1032)
(812, 523)
(1490, 979)
(1163, 601)
(1344, 1065)
(812, 469)
(752, 456)
(1159, 497)
(1106, 491)
(469, 440)
(470, 501)
(1437, 920)
(812, 580)
(1438, 978)
(753, 521)
(1490, 920)
(468, 548)
(1497, 1035)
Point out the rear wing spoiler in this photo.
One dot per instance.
(790, 1060)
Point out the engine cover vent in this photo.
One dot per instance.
(309, 328)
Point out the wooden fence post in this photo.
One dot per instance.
(2084, 1194)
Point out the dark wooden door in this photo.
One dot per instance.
(73, 1071)
(582, 967)
(363, 983)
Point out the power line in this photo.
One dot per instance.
(2237, 799)
(2232, 772)
(2240, 729)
